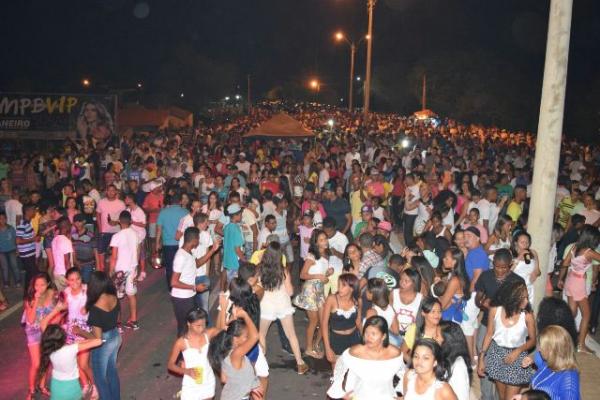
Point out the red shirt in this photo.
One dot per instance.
(153, 201)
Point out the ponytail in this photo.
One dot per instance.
(221, 345)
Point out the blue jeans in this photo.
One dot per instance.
(8, 263)
(104, 366)
(86, 272)
(168, 255)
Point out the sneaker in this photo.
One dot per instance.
(141, 276)
(302, 369)
(132, 325)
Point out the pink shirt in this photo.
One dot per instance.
(126, 242)
(109, 207)
(305, 234)
(61, 245)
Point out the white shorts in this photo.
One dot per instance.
(152, 230)
(470, 323)
(126, 283)
(261, 367)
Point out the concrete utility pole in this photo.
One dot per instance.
(367, 101)
(549, 134)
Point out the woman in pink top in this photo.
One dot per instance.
(577, 262)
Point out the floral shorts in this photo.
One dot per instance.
(312, 296)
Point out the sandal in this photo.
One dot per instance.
(585, 350)
(314, 354)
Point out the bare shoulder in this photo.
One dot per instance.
(393, 352)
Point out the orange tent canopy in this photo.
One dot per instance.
(281, 126)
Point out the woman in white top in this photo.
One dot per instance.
(366, 371)
(65, 372)
(198, 378)
(275, 303)
(510, 335)
(379, 296)
(406, 299)
(525, 262)
(315, 272)
(214, 210)
(425, 379)
(456, 354)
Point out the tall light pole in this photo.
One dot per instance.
(339, 36)
(367, 101)
(549, 135)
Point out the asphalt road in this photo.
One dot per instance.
(143, 356)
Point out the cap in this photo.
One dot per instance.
(298, 190)
(385, 226)
(366, 209)
(242, 154)
(233, 209)
(473, 230)
(308, 213)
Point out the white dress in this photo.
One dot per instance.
(367, 379)
(197, 358)
(524, 270)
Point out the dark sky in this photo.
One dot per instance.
(52, 45)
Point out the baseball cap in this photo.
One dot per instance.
(473, 230)
(309, 213)
(242, 154)
(366, 209)
(233, 209)
(385, 226)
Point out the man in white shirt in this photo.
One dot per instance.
(411, 207)
(138, 223)
(123, 264)
(203, 253)
(62, 250)
(243, 165)
(183, 280)
(268, 229)
(488, 209)
(14, 210)
(337, 245)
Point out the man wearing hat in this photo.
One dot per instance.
(233, 245)
(366, 214)
(243, 165)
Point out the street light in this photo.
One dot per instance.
(182, 95)
(139, 85)
(330, 122)
(237, 97)
(86, 82)
(339, 36)
(226, 98)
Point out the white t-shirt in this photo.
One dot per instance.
(184, 223)
(138, 215)
(459, 381)
(13, 208)
(64, 363)
(339, 241)
(204, 244)
(248, 220)
(184, 263)
(243, 166)
(126, 242)
(415, 195)
(61, 245)
(262, 236)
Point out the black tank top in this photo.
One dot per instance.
(341, 320)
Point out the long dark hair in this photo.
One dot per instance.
(455, 346)
(460, 270)
(53, 339)
(415, 277)
(553, 311)
(241, 295)
(313, 247)
(421, 264)
(441, 367)
(222, 344)
(31, 289)
(98, 285)
(348, 266)
(195, 314)
(379, 292)
(427, 305)
(351, 280)
(381, 324)
(589, 238)
(507, 297)
(271, 267)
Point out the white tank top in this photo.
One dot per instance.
(405, 313)
(509, 336)
(198, 358)
(411, 392)
(319, 267)
(387, 314)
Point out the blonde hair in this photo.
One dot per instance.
(556, 347)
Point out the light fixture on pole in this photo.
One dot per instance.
(339, 36)
(367, 101)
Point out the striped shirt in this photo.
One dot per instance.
(25, 231)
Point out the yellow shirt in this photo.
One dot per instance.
(514, 210)
(355, 205)
(257, 257)
(410, 336)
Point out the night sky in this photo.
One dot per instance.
(483, 58)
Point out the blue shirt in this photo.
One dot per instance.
(8, 239)
(232, 238)
(560, 385)
(168, 220)
(476, 259)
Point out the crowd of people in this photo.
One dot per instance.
(404, 241)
